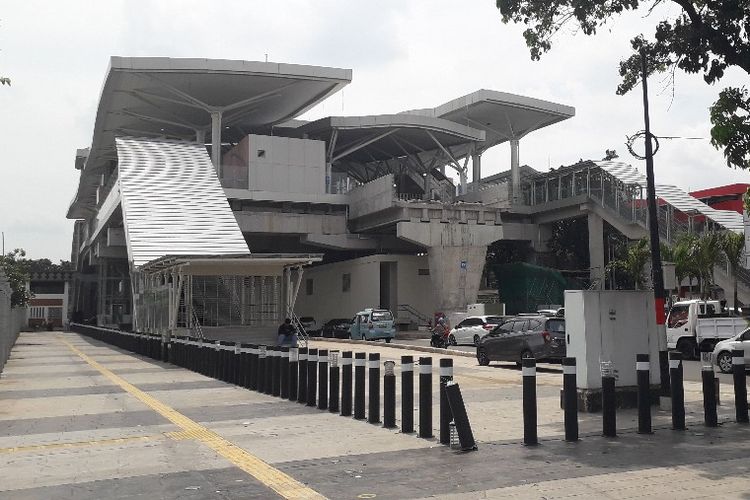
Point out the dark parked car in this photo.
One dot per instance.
(538, 337)
(337, 328)
(310, 326)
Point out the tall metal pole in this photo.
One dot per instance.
(653, 225)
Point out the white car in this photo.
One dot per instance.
(471, 330)
(722, 354)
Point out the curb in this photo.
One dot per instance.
(434, 350)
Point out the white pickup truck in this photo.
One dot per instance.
(697, 325)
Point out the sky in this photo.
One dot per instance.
(404, 55)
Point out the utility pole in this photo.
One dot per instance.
(657, 275)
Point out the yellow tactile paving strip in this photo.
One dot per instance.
(281, 483)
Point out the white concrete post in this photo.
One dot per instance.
(515, 172)
(216, 141)
(476, 168)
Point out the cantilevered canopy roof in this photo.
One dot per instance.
(365, 139)
(174, 98)
(500, 115)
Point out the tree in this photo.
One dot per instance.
(707, 36)
(629, 269)
(733, 244)
(16, 271)
(680, 255)
(706, 253)
(569, 244)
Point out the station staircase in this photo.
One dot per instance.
(619, 198)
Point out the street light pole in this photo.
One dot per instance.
(657, 275)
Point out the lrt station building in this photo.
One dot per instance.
(202, 198)
(205, 203)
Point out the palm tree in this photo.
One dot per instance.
(705, 253)
(733, 244)
(633, 263)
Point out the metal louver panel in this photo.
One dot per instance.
(679, 199)
(173, 202)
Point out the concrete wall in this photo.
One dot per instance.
(330, 301)
(372, 197)
(494, 195)
(276, 164)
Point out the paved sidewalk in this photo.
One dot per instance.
(80, 419)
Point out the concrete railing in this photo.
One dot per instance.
(11, 321)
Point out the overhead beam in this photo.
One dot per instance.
(364, 143)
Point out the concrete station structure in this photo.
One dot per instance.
(203, 196)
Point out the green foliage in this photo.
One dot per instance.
(15, 269)
(730, 116)
(733, 244)
(706, 252)
(706, 36)
(569, 244)
(629, 269)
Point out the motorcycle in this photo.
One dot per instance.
(439, 340)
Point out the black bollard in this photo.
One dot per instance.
(570, 398)
(270, 356)
(676, 391)
(243, 370)
(373, 365)
(710, 418)
(446, 375)
(359, 386)
(528, 374)
(312, 376)
(740, 386)
(284, 373)
(425, 397)
(609, 406)
(460, 418)
(276, 366)
(407, 394)
(643, 376)
(346, 383)
(333, 382)
(262, 357)
(323, 379)
(302, 378)
(216, 360)
(389, 395)
(237, 364)
(293, 372)
(253, 368)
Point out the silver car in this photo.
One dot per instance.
(722, 354)
(471, 330)
(536, 337)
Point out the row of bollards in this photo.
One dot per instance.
(609, 397)
(317, 378)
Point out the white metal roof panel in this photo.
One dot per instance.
(172, 201)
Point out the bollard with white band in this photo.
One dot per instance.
(302, 377)
(323, 379)
(446, 375)
(268, 375)
(677, 391)
(216, 360)
(373, 368)
(359, 385)
(609, 400)
(312, 376)
(333, 381)
(293, 373)
(710, 417)
(407, 394)
(425, 397)
(346, 384)
(570, 399)
(643, 376)
(253, 368)
(276, 368)
(284, 373)
(528, 375)
(389, 395)
(740, 386)
(262, 360)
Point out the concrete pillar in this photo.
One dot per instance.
(328, 178)
(216, 141)
(596, 248)
(426, 187)
(515, 172)
(476, 168)
(462, 181)
(455, 275)
(200, 136)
